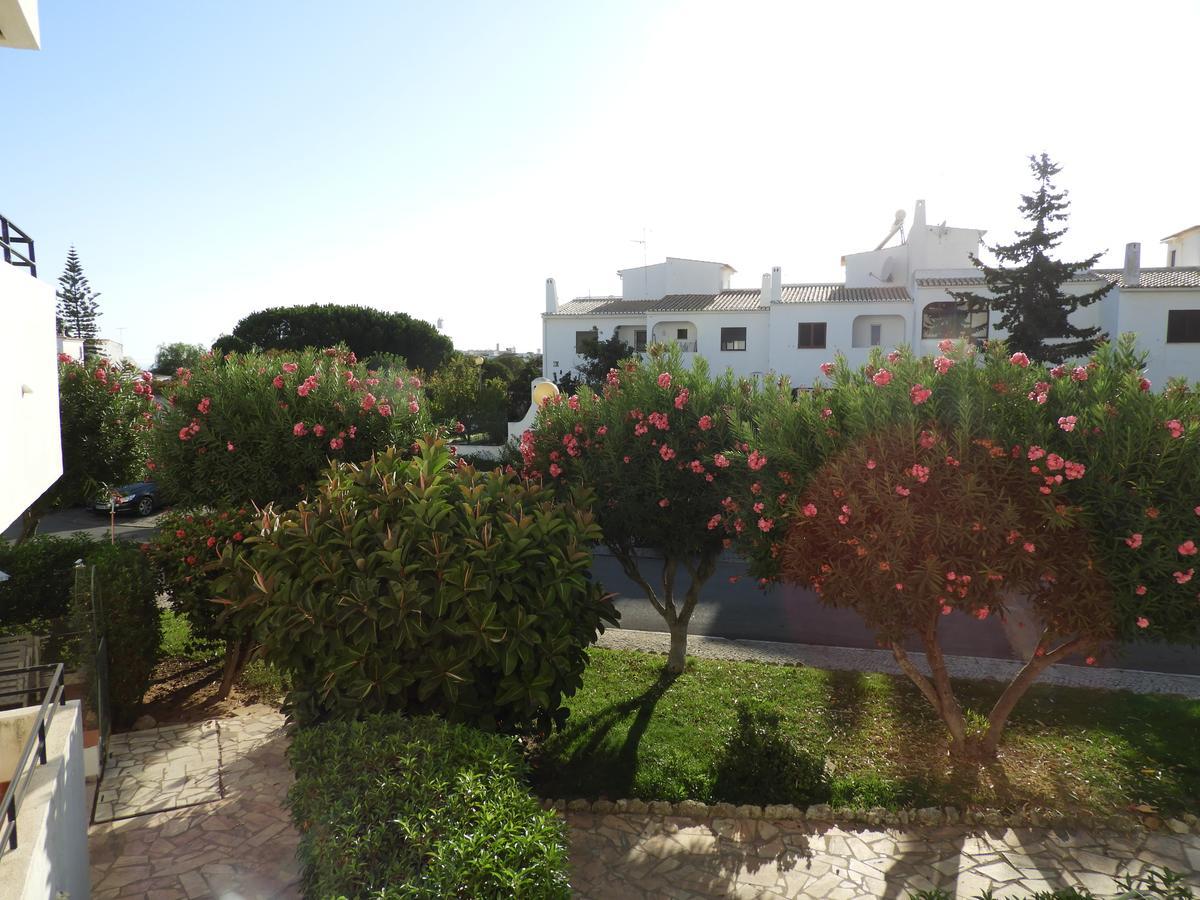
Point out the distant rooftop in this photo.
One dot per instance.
(1178, 233)
(730, 300)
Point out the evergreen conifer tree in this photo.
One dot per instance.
(77, 310)
(1028, 293)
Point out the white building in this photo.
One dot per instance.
(892, 296)
(113, 351)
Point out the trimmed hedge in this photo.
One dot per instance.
(392, 807)
(41, 573)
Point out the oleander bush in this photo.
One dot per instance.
(394, 807)
(424, 585)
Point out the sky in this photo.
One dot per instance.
(442, 159)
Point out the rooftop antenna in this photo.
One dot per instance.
(645, 262)
(897, 225)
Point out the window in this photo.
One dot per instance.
(583, 339)
(681, 334)
(876, 335)
(1171, 259)
(951, 320)
(733, 338)
(810, 336)
(1183, 326)
(639, 340)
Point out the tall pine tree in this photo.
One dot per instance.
(77, 310)
(1028, 294)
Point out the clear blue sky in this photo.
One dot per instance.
(208, 159)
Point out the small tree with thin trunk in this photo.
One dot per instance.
(1026, 289)
(651, 446)
(77, 309)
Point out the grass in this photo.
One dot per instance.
(1079, 752)
(178, 642)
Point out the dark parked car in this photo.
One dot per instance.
(140, 498)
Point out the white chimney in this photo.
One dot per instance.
(776, 284)
(551, 297)
(1132, 276)
(764, 296)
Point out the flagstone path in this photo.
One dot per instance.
(176, 835)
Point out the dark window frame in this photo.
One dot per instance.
(813, 329)
(1183, 326)
(728, 342)
(936, 324)
(639, 340)
(681, 334)
(581, 337)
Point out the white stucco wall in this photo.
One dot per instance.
(19, 26)
(1186, 247)
(674, 276)
(32, 459)
(52, 851)
(1144, 312)
(802, 366)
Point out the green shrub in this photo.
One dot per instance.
(41, 577)
(423, 585)
(763, 765)
(129, 619)
(1154, 884)
(393, 807)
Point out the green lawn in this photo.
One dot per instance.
(1080, 752)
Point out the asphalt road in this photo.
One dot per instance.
(741, 610)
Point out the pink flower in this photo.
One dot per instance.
(1134, 541)
(204, 405)
(1140, 590)
(319, 430)
(946, 610)
(981, 614)
(893, 356)
(765, 525)
(299, 429)
(827, 369)
(664, 502)
(229, 446)
(1184, 577)
(945, 346)
(918, 394)
(289, 367)
(756, 461)
(696, 466)
(1144, 383)
(1054, 462)
(1035, 452)
(659, 421)
(714, 521)
(1058, 371)
(902, 490)
(870, 464)
(1019, 359)
(943, 364)
(1197, 510)
(682, 398)
(573, 402)
(1029, 547)
(277, 381)
(185, 433)
(1066, 423)
(826, 413)
(368, 402)
(602, 431)
(705, 423)
(882, 378)
(1142, 622)
(613, 377)
(899, 585)
(1176, 428)
(919, 472)
(927, 440)
(414, 383)
(1079, 373)
(385, 409)
(626, 459)
(555, 470)
(720, 461)
(1091, 661)
(664, 380)
(666, 453)
(1075, 470)
(809, 510)
(336, 443)
(1187, 548)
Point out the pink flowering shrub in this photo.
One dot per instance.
(906, 526)
(259, 428)
(651, 446)
(105, 414)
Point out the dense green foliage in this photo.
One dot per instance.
(1069, 752)
(124, 609)
(460, 394)
(105, 413)
(395, 807)
(77, 309)
(425, 586)
(366, 331)
(652, 445)
(259, 428)
(170, 358)
(41, 577)
(1033, 308)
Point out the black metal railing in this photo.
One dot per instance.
(10, 238)
(35, 748)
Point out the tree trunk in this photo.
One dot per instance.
(236, 653)
(677, 658)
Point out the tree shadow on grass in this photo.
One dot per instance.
(594, 766)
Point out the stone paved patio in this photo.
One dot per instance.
(160, 769)
(240, 845)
